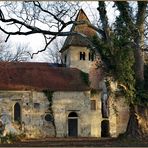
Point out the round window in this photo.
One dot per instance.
(48, 117)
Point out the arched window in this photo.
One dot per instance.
(73, 114)
(17, 112)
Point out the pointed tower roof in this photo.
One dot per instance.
(77, 40)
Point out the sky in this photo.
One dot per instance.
(36, 42)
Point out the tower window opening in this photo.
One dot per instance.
(82, 55)
(91, 56)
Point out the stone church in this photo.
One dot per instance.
(66, 100)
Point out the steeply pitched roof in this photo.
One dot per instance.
(39, 76)
(78, 40)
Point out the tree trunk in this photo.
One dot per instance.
(138, 122)
(139, 41)
(139, 68)
(137, 33)
(105, 25)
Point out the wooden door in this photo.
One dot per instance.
(73, 127)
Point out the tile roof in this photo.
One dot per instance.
(78, 40)
(39, 76)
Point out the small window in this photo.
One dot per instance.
(65, 59)
(37, 105)
(82, 55)
(91, 56)
(48, 118)
(93, 104)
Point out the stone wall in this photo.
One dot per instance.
(35, 105)
(96, 116)
(66, 102)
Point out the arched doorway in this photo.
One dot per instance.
(17, 112)
(105, 131)
(73, 124)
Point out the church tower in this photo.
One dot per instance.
(76, 51)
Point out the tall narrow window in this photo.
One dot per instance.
(93, 104)
(82, 55)
(17, 112)
(91, 56)
(65, 59)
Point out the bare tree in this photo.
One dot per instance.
(52, 54)
(32, 17)
(20, 54)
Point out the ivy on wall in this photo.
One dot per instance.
(49, 95)
(120, 59)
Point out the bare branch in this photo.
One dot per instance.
(55, 17)
(44, 47)
(26, 17)
(7, 54)
(7, 38)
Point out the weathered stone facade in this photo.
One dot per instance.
(74, 108)
(35, 105)
(32, 122)
(64, 104)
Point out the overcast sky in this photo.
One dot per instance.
(35, 42)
